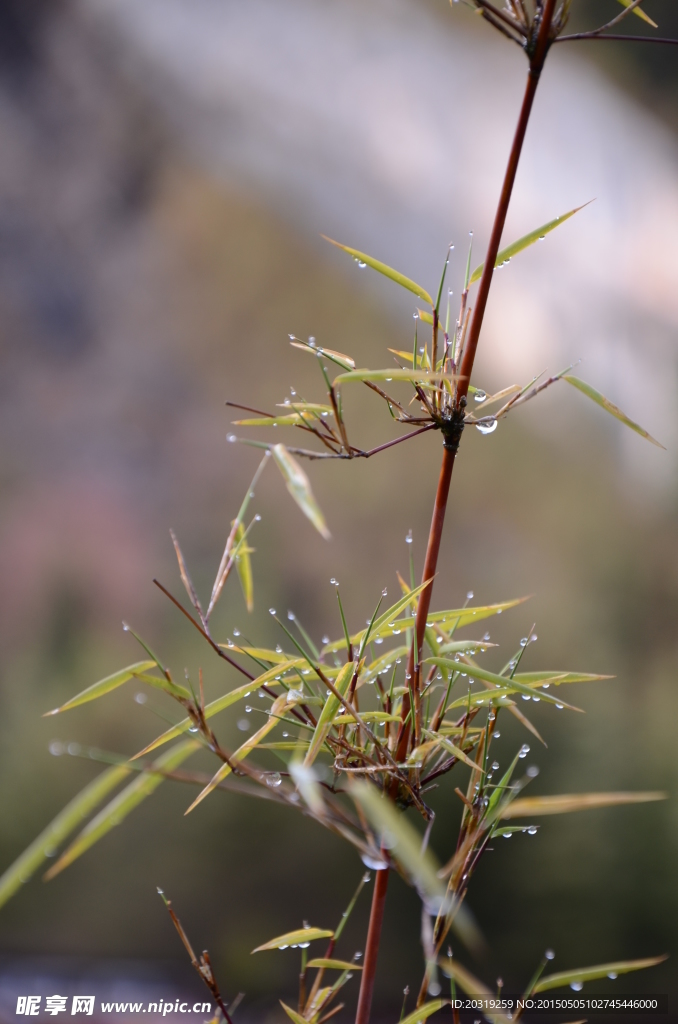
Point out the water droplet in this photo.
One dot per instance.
(559, 706)
(283, 946)
(311, 340)
(396, 632)
(537, 699)
(533, 638)
(524, 642)
(362, 264)
(286, 735)
(193, 728)
(273, 779)
(495, 766)
(533, 771)
(525, 696)
(576, 986)
(231, 438)
(469, 595)
(160, 892)
(56, 748)
(74, 749)
(257, 518)
(612, 975)
(480, 396)
(140, 698)
(542, 237)
(549, 955)
(236, 632)
(532, 831)
(379, 640)
(434, 989)
(333, 581)
(496, 735)
(325, 640)
(292, 391)
(376, 863)
(507, 835)
(304, 945)
(248, 709)
(487, 428)
(408, 538)
(291, 616)
(384, 592)
(243, 724)
(358, 955)
(524, 750)
(271, 611)
(415, 316)
(278, 649)
(486, 636)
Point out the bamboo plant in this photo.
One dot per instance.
(353, 734)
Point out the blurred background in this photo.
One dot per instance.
(166, 170)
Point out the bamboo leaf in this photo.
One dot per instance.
(416, 376)
(558, 678)
(243, 565)
(609, 406)
(60, 828)
(278, 708)
(289, 420)
(160, 683)
(639, 12)
(295, 1017)
(425, 1011)
(387, 271)
(328, 713)
(123, 804)
(335, 357)
(472, 987)
(565, 803)
(525, 241)
(295, 938)
(504, 685)
(382, 664)
(300, 488)
(103, 686)
(333, 965)
(451, 749)
(381, 627)
(594, 973)
(366, 716)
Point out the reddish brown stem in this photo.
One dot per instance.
(372, 947)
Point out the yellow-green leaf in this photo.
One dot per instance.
(70, 818)
(472, 987)
(387, 271)
(437, 740)
(333, 965)
(336, 357)
(295, 1017)
(103, 686)
(505, 686)
(160, 683)
(416, 376)
(328, 713)
(425, 1011)
(295, 938)
(289, 420)
(300, 488)
(243, 565)
(640, 13)
(565, 803)
(280, 704)
(595, 973)
(609, 406)
(525, 241)
(125, 802)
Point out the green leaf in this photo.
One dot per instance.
(558, 678)
(335, 357)
(472, 987)
(66, 821)
(525, 241)
(424, 1011)
(333, 965)
(438, 740)
(640, 13)
(396, 373)
(387, 271)
(243, 565)
(103, 686)
(565, 803)
(299, 487)
(609, 406)
(504, 685)
(594, 973)
(294, 938)
(160, 683)
(290, 420)
(295, 1017)
(123, 804)
(382, 664)
(380, 627)
(328, 713)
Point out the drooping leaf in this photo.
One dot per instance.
(335, 357)
(160, 683)
(243, 565)
(279, 706)
(300, 488)
(595, 973)
(609, 406)
(300, 935)
(123, 804)
(387, 271)
(103, 686)
(565, 803)
(640, 13)
(425, 1011)
(328, 713)
(70, 818)
(334, 965)
(525, 241)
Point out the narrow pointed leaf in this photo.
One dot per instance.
(595, 973)
(336, 357)
(334, 965)
(123, 804)
(640, 13)
(609, 406)
(300, 488)
(70, 818)
(387, 271)
(565, 803)
(294, 938)
(329, 712)
(425, 1011)
(472, 987)
(525, 241)
(451, 749)
(415, 376)
(243, 565)
(295, 1017)
(103, 686)
(504, 686)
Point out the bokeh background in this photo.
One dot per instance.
(166, 170)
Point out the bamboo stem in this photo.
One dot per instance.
(372, 947)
